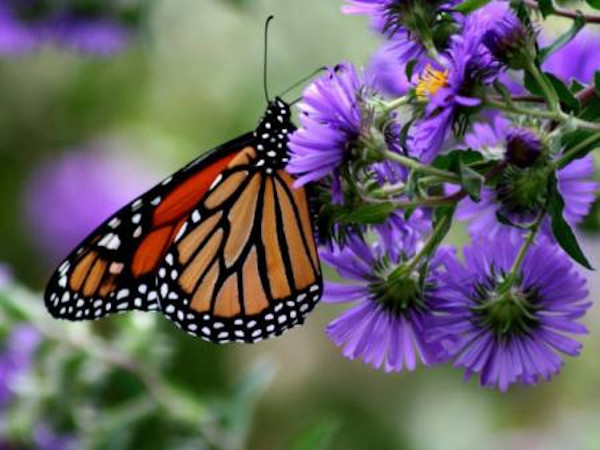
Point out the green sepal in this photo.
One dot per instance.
(471, 181)
(546, 7)
(367, 214)
(468, 6)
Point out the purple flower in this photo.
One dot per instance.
(17, 34)
(450, 91)
(387, 72)
(372, 8)
(574, 183)
(46, 438)
(489, 138)
(509, 332)
(94, 35)
(583, 50)
(331, 121)
(26, 24)
(401, 22)
(68, 197)
(386, 326)
(16, 359)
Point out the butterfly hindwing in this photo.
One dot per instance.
(114, 269)
(244, 266)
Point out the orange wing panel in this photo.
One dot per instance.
(185, 197)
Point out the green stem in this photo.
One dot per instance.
(529, 239)
(544, 114)
(396, 103)
(432, 242)
(547, 88)
(417, 166)
(573, 153)
(430, 201)
(588, 18)
(584, 124)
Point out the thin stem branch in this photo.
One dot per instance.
(430, 201)
(527, 243)
(396, 103)
(547, 89)
(520, 98)
(432, 241)
(417, 166)
(572, 154)
(544, 114)
(588, 18)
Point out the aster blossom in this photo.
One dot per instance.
(510, 197)
(331, 121)
(386, 326)
(509, 330)
(451, 87)
(402, 22)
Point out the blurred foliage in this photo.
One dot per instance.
(191, 81)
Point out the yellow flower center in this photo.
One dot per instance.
(430, 82)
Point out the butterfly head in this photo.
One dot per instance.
(272, 134)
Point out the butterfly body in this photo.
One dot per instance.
(224, 247)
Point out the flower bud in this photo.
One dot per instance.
(523, 147)
(511, 41)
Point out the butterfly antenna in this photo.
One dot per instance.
(265, 59)
(302, 81)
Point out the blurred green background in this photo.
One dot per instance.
(192, 81)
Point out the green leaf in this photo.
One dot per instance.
(594, 3)
(546, 7)
(590, 112)
(563, 39)
(564, 94)
(318, 437)
(576, 86)
(502, 90)
(471, 182)
(562, 231)
(531, 85)
(597, 81)
(468, 6)
(367, 214)
(410, 67)
(452, 160)
(445, 214)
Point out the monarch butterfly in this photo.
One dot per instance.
(224, 247)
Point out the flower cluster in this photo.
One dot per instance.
(438, 129)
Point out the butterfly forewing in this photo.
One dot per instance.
(114, 269)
